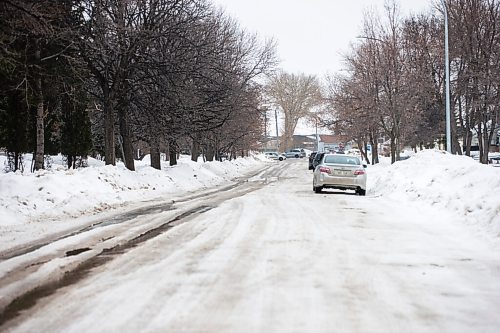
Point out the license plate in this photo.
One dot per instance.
(342, 172)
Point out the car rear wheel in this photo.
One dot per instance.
(317, 189)
(361, 191)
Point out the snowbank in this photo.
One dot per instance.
(59, 193)
(456, 183)
(32, 202)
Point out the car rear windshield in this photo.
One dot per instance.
(319, 156)
(338, 159)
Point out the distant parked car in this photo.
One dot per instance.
(402, 157)
(271, 155)
(295, 153)
(341, 172)
(311, 159)
(494, 159)
(354, 151)
(274, 155)
(317, 159)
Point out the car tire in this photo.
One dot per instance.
(317, 189)
(296, 156)
(281, 158)
(361, 192)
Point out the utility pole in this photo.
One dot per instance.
(277, 132)
(447, 69)
(265, 127)
(317, 137)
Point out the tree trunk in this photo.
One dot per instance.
(18, 160)
(40, 127)
(393, 149)
(210, 153)
(154, 152)
(486, 139)
(480, 141)
(172, 152)
(109, 131)
(363, 149)
(373, 142)
(467, 146)
(128, 148)
(375, 159)
(195, 151)
(397, 141)
(455, 145)
(486, 146)
(40, 131)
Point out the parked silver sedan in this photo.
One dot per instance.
(341, 172)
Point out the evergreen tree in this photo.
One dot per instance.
(76, 140)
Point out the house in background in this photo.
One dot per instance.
(270, 143)
(304, 141)
(332, 142)
(325, 142)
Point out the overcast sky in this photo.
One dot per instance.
(311, 34)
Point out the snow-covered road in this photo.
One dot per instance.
(284, 259)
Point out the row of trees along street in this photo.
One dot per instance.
(395, 78)
(106, 77)
(100, 77)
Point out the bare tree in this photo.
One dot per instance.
(295, 95)
(395, 79)
(116, 38)
(159, 71)
(374, 97)
(198, 79)
(425, 78)
(476, 53)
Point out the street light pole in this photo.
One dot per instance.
(277, 133)
(265, 126)
(317, 136)
(447, 69)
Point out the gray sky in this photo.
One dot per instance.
(311, 34)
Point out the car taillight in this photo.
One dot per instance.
(324, 169)
(359, 172)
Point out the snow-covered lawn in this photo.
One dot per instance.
(32, 204)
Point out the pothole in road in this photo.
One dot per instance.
(76, 251)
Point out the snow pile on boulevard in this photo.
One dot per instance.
(60, 193)
(450, 182)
